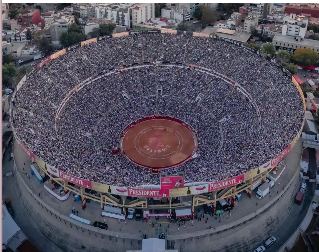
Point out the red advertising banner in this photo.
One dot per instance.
(77, 181)
(215, 186)
(281, 156)
(170, 182)
(144, 193)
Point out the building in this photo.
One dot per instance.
(89, 27)
(6, 48)
(141, 13)
(116, 13)
(250, 23)
(303, 9)
(294, 25)
(292, 43)
(56, 29)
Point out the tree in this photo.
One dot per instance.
(71, 38)
(254, 46)
(290, 67)
(44, 46)
(182, 26)
(106, 29)
(28, 34)
(74, 28)
(13, 13)
(6, 59)
(61, 6)
(268, 49)
(198, 13)
(95, 33)
(305, 57)
(314, 36)
(313, 27)
(8, 72)
(229, 8)
(283, 56)
(38, 7)
(209, 15)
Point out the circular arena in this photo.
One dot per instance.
(128, 110)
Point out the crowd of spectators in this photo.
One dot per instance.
(125, 79)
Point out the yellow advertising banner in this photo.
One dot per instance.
(170, 31)
(99, 187)
(200, 34)
(57, 54)
(89, 41)
(40, 163)
(120, 34)
(178, 192)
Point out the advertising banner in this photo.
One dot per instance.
(119, 190)
(57, 54)
(215, 186)
(144, 193)
(99, 187)
(77, 181)
(89, 41)
(52, 170)
(178, 192)
(280, 157)
(199, 189)
(44, 62)
(120, 34)
(170, 31)
(171, 182)
(201, 34)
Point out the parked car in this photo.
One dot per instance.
(130, 213)
(303, 186)
(260, 249)
(270, 241)
(101, 225)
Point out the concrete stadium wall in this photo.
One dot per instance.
(68, 234)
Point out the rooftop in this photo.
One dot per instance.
(290, 39)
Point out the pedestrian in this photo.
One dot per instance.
(39, 194)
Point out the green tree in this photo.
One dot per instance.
(209, 15)
(61, 6)
(8, 72)
(198, 13)
(95, 33)
(254, 46)
(305, 57)
(290, 67)
(44, 46)
(13, 13)
(283, 56)
(268, 49)
(6, 59)
(313, 27)
(229, 8)
(314, 36)
(106, 29)
(71, 38)
(74, 28)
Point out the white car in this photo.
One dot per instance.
(303, 186)
(270, 241)
(260, 249)
(130, 213)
